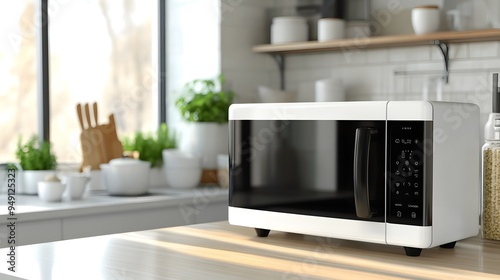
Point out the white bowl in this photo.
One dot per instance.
(176, 158)
(183, 177)
(50, 191)
(182, 170)
(425, 19)
(269, 95)
(126, 176)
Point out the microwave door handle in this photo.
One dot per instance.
(361, 168)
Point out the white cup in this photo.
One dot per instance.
(425, 19)
(330, 29)
(50, 191)
(75, 185)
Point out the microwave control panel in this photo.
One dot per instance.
(409, 144)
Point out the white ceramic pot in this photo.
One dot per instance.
(30, 179)
(331, 29)
(288, 30)
(50, 191)
(206, 140)
(182, 170)
(425, 19)
(124, 176)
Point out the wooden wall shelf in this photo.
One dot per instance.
(449, 37)
(439, 39)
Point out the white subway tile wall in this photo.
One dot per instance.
(377, 74)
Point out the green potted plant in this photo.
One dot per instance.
(204, 106)
(149, 148)
(37, 161)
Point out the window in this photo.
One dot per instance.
(102, 51)
(18, 81)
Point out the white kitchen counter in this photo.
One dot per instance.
(98, 214)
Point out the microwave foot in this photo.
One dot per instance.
(262, 232)
(412, 252)
(450, 245)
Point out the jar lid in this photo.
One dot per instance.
(492, 127)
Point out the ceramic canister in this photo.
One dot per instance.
(288, 30)
(425, 19)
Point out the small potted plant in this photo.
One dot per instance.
(204, 107)
(149, 148)
(37, 161)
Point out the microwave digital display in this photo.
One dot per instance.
(408, 165)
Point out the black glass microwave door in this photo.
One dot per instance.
(306, 167)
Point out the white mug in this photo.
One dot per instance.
(75, 185)
(331, 29)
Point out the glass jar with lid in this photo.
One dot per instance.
(491, 171)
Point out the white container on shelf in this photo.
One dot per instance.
(425, 19)
(288, 30)
(331, 29)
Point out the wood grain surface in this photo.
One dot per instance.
(221, 251)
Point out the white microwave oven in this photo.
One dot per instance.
(401, 173)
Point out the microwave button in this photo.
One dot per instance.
(413, 215)
(399, 214)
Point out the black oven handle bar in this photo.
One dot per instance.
(361, 168)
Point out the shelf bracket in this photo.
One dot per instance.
(445, 50)
(280, 61)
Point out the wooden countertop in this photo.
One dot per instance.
(221, 251)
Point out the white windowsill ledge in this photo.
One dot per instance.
(98, 214)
